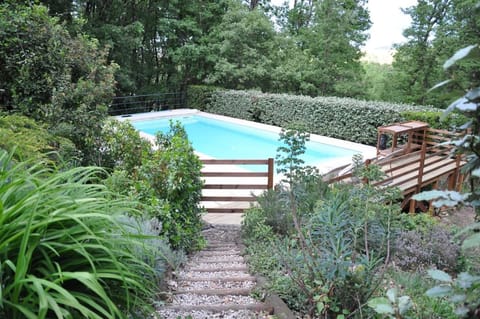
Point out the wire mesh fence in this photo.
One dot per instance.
(147, 103)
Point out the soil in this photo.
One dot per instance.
(460, 217)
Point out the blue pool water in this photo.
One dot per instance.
(225, 140)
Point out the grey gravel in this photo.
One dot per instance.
(222, 252)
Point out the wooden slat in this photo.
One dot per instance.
(225, 210)
(234, 174)
(235, 186)
(234, 161)
(228, 198)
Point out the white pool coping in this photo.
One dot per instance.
(323, 166)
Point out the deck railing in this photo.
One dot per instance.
(228, 186)
(413, 171)
(132, 104)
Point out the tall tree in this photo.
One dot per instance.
(416, 65)
(242, 47)
(333, 44)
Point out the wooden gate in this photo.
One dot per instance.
(229, 188)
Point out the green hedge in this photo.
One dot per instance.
(343, 118)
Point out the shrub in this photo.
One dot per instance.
(63, 251)
(121, 146)
(416, 250)
(31, 140)
(172, 175)
(343, 118)
(198, 96)
(433, 118)
(254, 226)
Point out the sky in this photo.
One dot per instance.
(388, 23)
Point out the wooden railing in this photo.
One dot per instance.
(230, 185)
(413, 171)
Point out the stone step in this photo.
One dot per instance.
(257, 307)
(217, 261)
(216, 253)
(218, 269)
(215, 292)
(223, 279)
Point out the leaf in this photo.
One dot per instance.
(476, 172)
(465, 280)
(466, 125)
(462, 311)
(439, 291)
(429, 195)
(452, 107)
(472, 241)
(467, 106)
(460, 54)
(458, 298)
(381, 305)
(392, 294)
(404, 304)
(320, 307)
(436, 86)
(473, 94)
(439, 275)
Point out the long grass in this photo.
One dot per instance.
(63, 253)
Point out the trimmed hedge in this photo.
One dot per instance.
(343, 118)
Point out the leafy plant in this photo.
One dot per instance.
(394, 306)
(343, 118)
(63, 251)
(462, 291)
(469, 105)
(172, 175)
(120, 146)
(416, 250)
(32, 140)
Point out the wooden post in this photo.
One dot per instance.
(270, 173)
(430, 206)
(365, 179)
(455, 176)
(420, 175)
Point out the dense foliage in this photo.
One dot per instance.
(343, 118)
(328, 250)
(166, 180)
(63, 249)
(438, 29)
(53, 77)
(27, 139)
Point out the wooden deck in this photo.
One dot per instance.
(414, 171)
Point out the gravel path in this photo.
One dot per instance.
(215, 282)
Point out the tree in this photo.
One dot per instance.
(52, 77)
(242, 46)
(332, 45)
(438, 28)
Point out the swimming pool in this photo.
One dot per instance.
(222, 138)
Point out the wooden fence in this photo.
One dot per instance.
(413, 171)
(231, 188)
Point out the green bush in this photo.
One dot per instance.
(121, 146)
(198, 96)
(172, 173)
(63, 251)
(343, 118)
(433, 118)
(31, 140)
